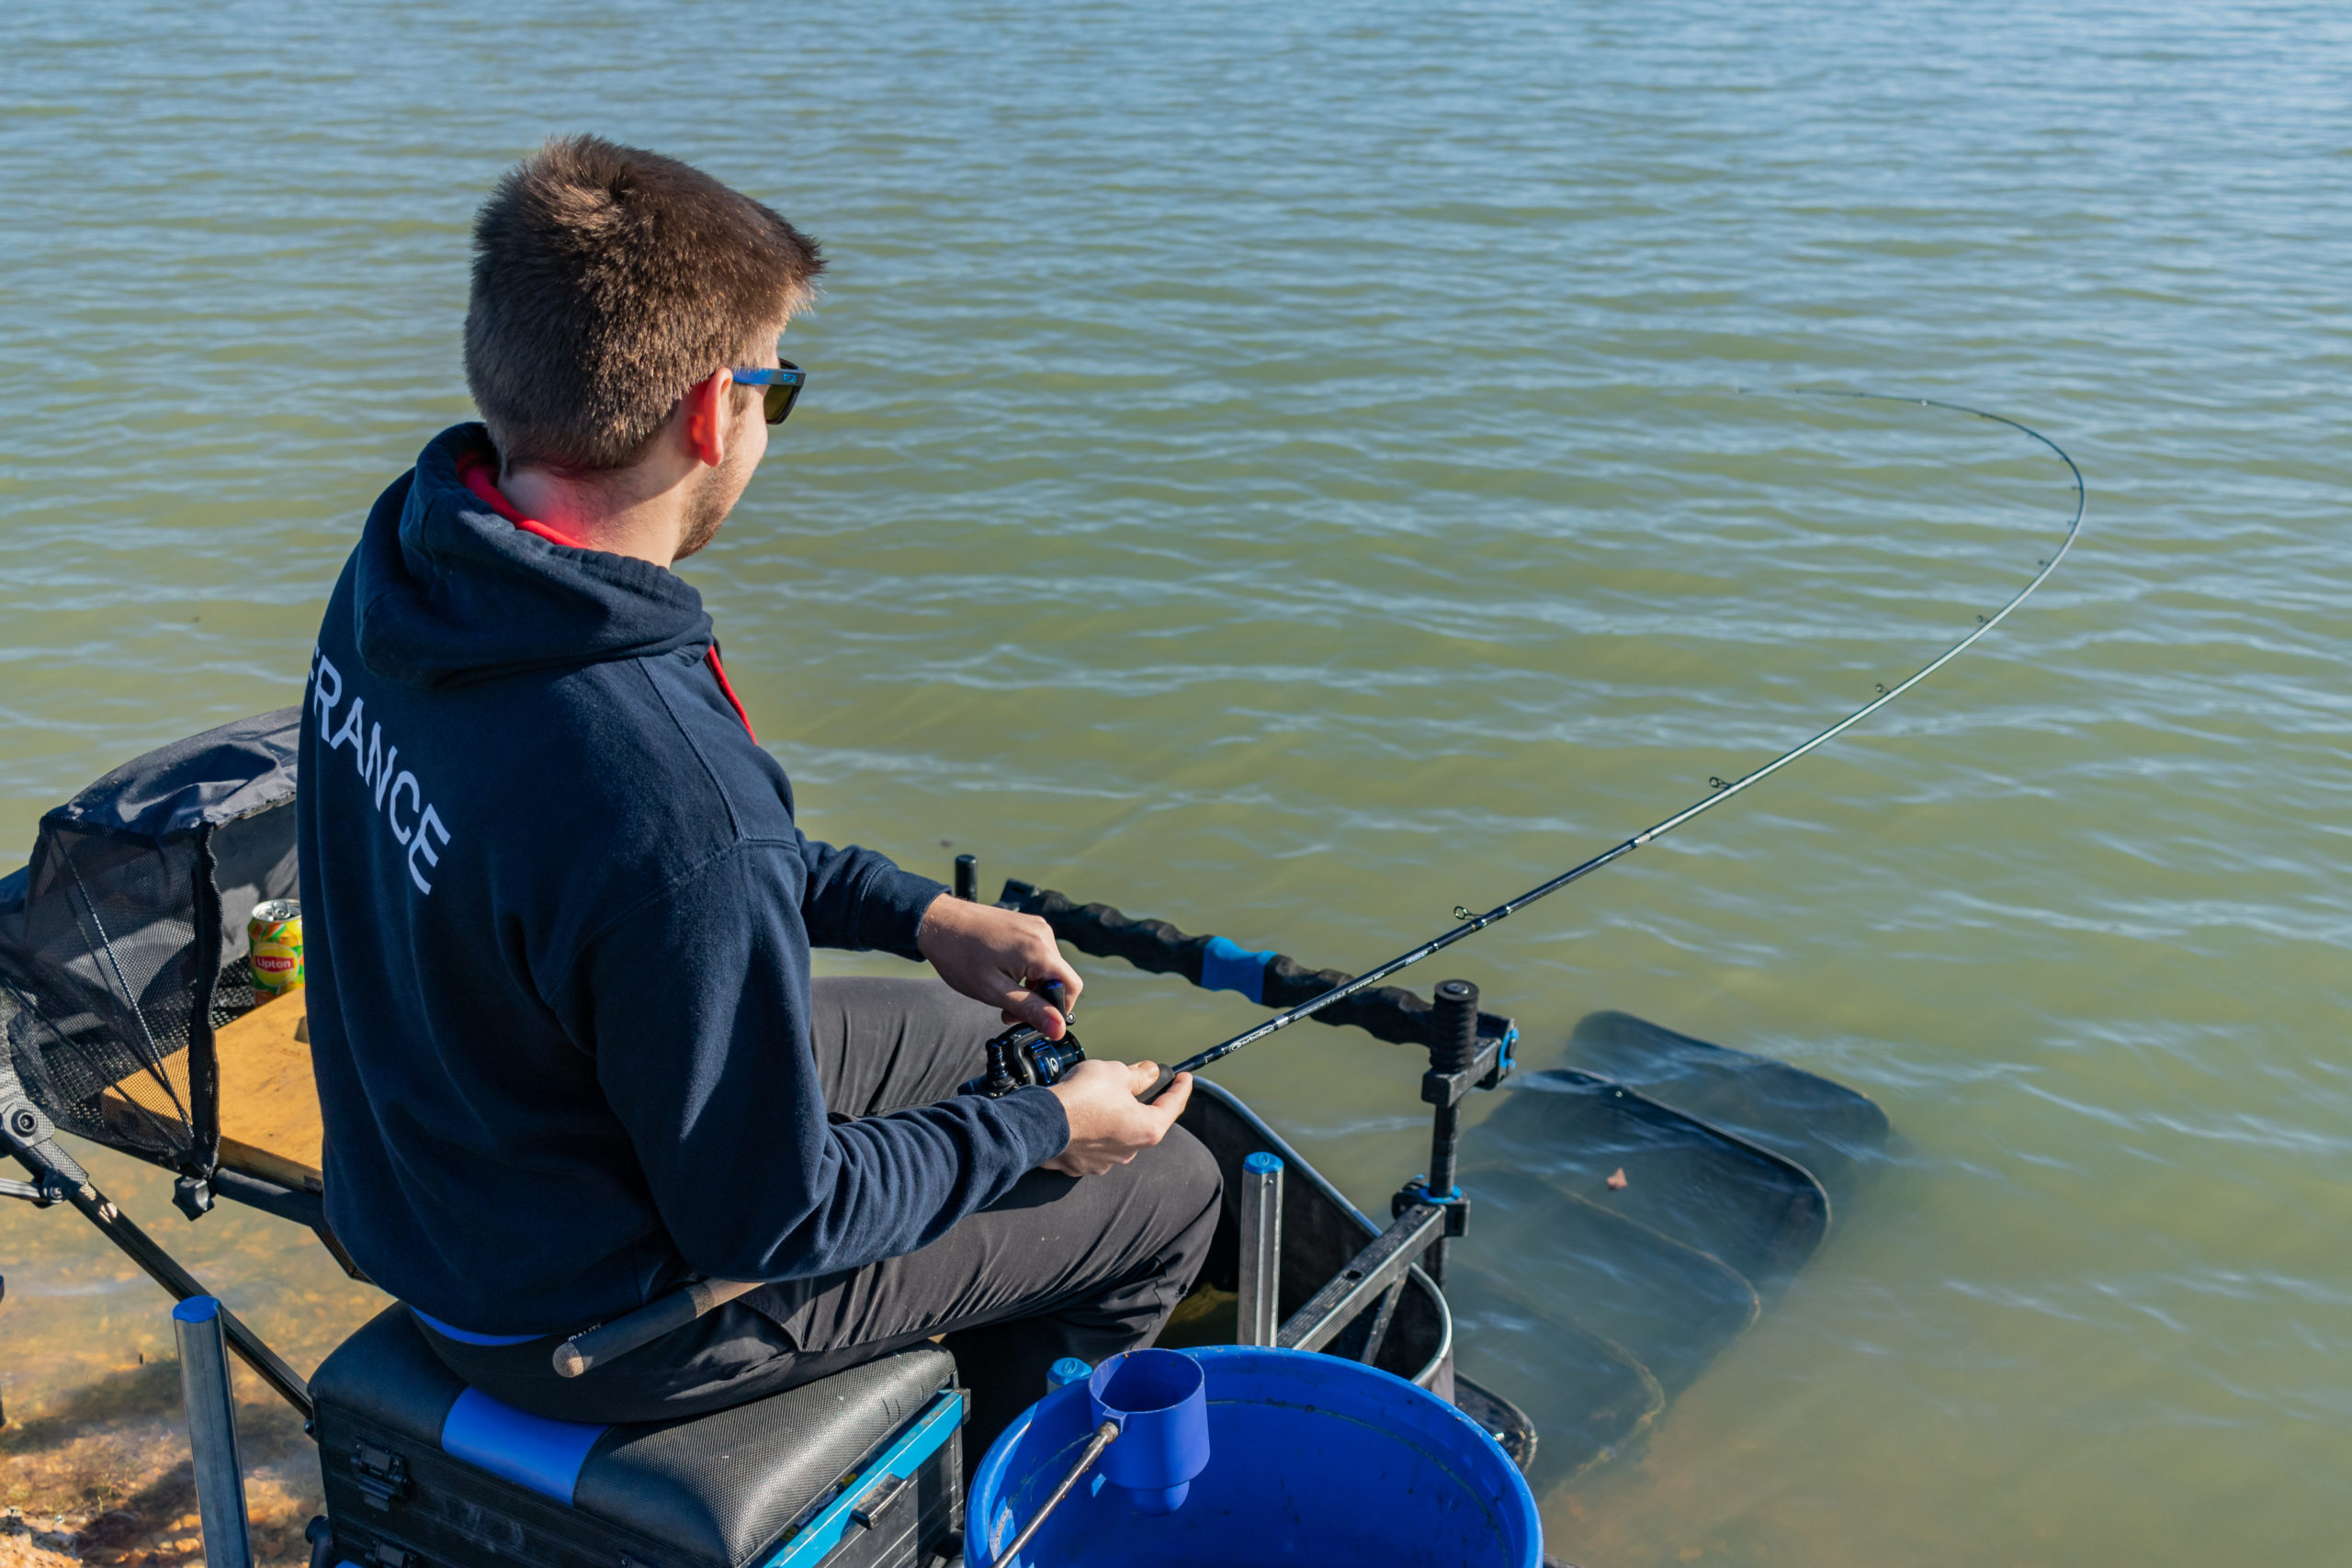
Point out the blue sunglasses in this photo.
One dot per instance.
(783, 384)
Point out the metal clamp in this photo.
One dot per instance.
(27, 1133)
(192, 1196)
(1488, 1067)
(1456, 1204)
(383, 1475)
(40, 1193)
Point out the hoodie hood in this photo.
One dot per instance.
(447, 593)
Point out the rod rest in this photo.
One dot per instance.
(1271, 979)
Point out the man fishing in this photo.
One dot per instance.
(559, 913)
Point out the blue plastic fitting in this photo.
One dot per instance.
(1159, 1399)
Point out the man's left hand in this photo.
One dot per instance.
(998, 957)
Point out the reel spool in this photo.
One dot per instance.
(1021, 1056)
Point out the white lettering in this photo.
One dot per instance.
(382, 775)
(353, 729)
(378, 764)
(407, 781)
(324, 676)
(428, 823)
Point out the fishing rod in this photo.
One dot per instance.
(1721, 790)
(1022, 1056)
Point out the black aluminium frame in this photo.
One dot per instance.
(31, 1137)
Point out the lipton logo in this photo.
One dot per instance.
(273, 962)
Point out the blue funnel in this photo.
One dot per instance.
(1159, 1399)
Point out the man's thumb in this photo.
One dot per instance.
(1173, 1098)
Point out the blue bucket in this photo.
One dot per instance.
(1312, 1460)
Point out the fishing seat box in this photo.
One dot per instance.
(860, 1470)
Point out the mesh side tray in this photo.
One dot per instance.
(113, 940)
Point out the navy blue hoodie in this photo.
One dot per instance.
(557, 919)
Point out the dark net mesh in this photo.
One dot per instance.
(122, 944)
(232, 993)
(111, 988)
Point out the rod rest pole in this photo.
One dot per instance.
(1261, 1250)
(1454, 1044)
(212, 1432)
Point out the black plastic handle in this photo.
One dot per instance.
(643, 1326)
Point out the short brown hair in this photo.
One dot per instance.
(607, 280)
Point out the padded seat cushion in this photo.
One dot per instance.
(713, 1488)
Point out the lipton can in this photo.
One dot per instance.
(275, 938)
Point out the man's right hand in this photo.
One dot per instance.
(1108, 1125)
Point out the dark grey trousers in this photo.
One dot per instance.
(1060, 1267)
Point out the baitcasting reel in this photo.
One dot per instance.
(1021, 1056)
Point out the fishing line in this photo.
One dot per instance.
(1023, 1054)
(1721, 789)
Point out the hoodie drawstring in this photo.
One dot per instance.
(727, 687)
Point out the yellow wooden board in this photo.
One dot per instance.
(269, 1104)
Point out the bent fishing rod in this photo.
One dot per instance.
(1721, 790)
(1024, 1055)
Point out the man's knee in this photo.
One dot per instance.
(1187, 1189)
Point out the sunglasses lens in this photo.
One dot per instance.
(781, 399)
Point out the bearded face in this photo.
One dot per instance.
(716, 490)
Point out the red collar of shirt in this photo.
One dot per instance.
(475, 469)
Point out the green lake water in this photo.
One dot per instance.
(1282, 470)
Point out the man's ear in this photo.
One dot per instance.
(705, 406)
